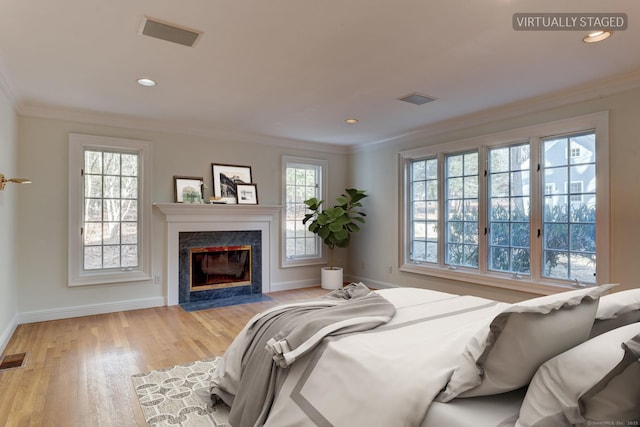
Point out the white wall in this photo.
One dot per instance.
(41, 218)
(376, 169)
(42, 288)
(8, 218)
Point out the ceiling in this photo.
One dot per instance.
(294, 70)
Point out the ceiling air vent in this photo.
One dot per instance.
(417, 98)
(169, 32)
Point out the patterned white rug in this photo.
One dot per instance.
(177, 396)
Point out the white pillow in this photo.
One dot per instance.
(505, 354)
(617, 309)
(595, 381)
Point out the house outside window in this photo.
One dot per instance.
(109, 210)
(302, 180)
(575, 192)
(569, 219)
(549, 189)
(508, 215)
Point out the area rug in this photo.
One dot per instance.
(177, 396)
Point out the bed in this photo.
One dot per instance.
(415, 357)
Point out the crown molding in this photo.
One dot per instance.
(575, 94)
(136, 123)
(578, 93)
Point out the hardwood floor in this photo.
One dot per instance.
(78, 371)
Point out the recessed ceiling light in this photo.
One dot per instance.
(597, 36)
(351, 121)
(147, 82)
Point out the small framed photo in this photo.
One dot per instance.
(188, 189)
(247, 194)
(226, 178)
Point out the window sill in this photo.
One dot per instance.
(303, 262)
(102, 278)
(524, 284)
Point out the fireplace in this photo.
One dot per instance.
(222, 264)
(219, 267)
(182, 219)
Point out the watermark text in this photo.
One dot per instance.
(570, 21)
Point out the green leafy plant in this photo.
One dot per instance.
(334, 225)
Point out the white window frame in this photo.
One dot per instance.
(321, 257)
(535, 283)
(77, 276)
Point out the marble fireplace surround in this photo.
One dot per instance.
(184, 217)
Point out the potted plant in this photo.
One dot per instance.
(334, 226)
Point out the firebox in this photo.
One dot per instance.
(219, 267)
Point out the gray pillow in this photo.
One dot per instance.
(617, 395)
(506, 353)
(593, 381)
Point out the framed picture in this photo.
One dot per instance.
(188, 189)
(226, 178)
(247, 194)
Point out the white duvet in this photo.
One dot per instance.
(387, 376)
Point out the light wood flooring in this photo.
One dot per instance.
(78, 371)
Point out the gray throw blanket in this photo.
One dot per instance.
(276, 338)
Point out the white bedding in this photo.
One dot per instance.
(430, 345)
(397, 369)
(500, 410)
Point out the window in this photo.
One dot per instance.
(302, 180)
(549, 189)
(424, 221)
(109, 204)
(569, 229)
(517, 211)
(461, 197)
(575, 191)
(509, 208)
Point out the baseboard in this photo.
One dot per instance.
(375, 284)
(8, 333)
(310, 283)
(89, 310)
(298, 284)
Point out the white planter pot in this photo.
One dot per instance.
(331, 278)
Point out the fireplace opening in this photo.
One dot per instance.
(219, 267)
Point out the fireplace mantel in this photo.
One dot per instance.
(187, 217)
(193, 212)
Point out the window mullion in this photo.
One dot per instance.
(441, 210)
(483, 209)
(408, 207)
(535, 214)
(603, 213)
